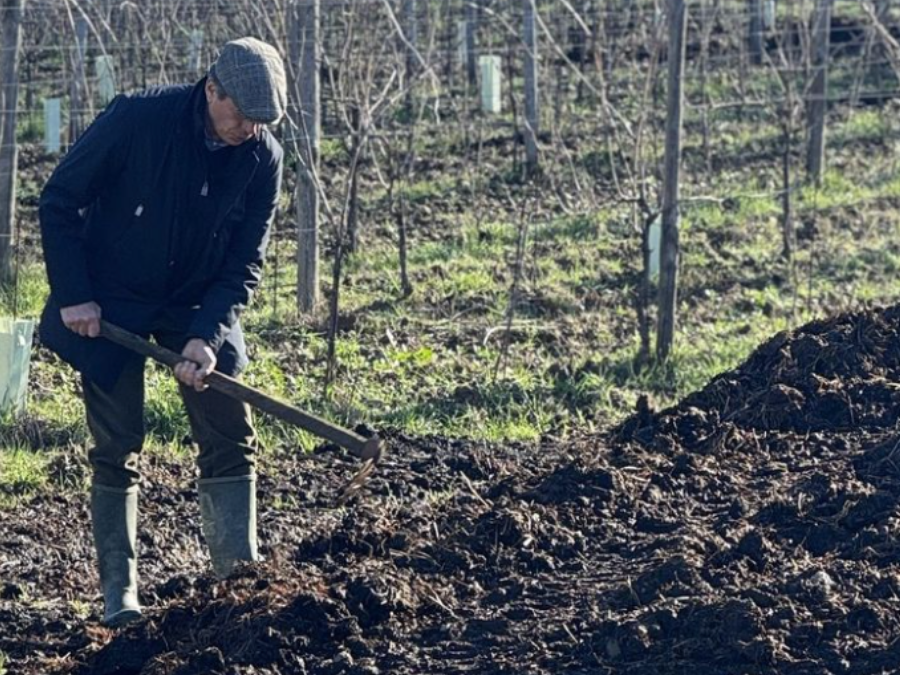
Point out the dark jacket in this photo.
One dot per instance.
(164, 234)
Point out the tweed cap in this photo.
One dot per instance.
(252, 74)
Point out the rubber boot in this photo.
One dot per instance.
(114, 516)
(228, 520)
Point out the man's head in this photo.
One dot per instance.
(246, 89)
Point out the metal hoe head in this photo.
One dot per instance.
(372, 454)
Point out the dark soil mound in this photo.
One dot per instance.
(843, 373)
(751, 529)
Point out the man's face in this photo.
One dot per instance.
(227, 121)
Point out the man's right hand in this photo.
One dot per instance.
(83, 319)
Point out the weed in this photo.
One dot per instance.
(80, 608)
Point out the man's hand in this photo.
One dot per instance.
(202, 362)
(83, 319)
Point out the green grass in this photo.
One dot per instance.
(22, 473)
(25, 297)
(30, 127)
(863, 125)
(331, 149)
(836, 190)
(164, 413)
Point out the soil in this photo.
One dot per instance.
(750, 529)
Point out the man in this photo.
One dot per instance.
(157, 220)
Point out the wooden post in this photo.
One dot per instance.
(406, 165)
(560, 78)
(817, 105)
(9, 70)
(605, 45)
(668, 278)
(78, 97)
(755, 31)
(460, 42)
(471, 30)
(449, 41)
(706, 21)
(410, 30)
(309, 120)
(787, 216)
(532, 110)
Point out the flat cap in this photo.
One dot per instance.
(252, 74)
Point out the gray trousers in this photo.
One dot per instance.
(220, 426)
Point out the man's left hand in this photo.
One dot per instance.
(202, 361)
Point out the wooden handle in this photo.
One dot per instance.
(364, 448)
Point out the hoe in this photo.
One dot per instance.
(370, 450)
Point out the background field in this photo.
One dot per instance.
(508, 375)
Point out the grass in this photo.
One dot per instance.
(164, 414)
(863, 125)
(22, 473)
(441, 360)
(25, 297)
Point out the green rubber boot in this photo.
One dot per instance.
(228, 520)
(114, 516)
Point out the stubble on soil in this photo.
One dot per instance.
(752, 529)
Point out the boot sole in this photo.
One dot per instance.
(122, 618)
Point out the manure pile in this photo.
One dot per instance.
(750, 529)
